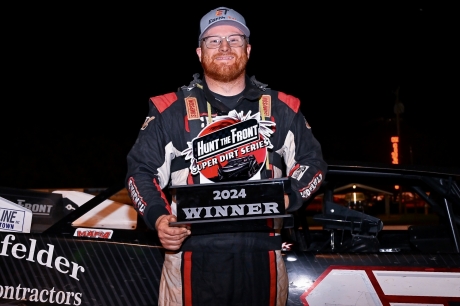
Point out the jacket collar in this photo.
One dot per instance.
(251, 92)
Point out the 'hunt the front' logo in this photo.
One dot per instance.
(232, 147)
(225, 139)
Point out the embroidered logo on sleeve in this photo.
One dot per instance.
(298, 173)
(146, 122)
(312, 186)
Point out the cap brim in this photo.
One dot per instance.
(234, 23)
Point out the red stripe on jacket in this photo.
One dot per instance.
(163, 196)
(291, 101)
(164, 101)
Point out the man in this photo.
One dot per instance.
(234, 267)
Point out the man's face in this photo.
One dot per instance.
(224, 63)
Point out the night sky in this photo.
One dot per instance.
(77, 79)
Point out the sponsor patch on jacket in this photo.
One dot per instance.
(138, 201)
(191, 105)
(312, 186)
(146, 122)
(298, 173)
(267, 105)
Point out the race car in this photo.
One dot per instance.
(372, 235)
(243, 168)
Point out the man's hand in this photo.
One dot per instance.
(286, 201)
(171, 237)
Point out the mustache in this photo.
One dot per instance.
(224, 54)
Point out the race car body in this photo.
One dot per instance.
(370, 236)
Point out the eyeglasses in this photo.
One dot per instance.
(235, 40)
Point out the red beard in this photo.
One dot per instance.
(223, 72)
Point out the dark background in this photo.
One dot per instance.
(77, 79)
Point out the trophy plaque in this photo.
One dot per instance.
(245, 205)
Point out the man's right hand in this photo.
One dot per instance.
(171, 237)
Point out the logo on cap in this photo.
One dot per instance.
(221, 12)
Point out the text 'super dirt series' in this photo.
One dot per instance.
(372, 235)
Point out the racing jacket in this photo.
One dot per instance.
(165, 154)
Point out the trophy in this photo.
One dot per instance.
(231, 205)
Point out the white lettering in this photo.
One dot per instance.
(231, 210)
(38, 209)
(221, 211)
(208, 147)
(237, 210)
(18, 247)
(307, 191)
(253, 147)
(192, 213)
(208, 212)
(271, 208)
(44, 257)
(254, 209)
(48, 255)
(61, 261)
(244, 134)
(206, 164)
